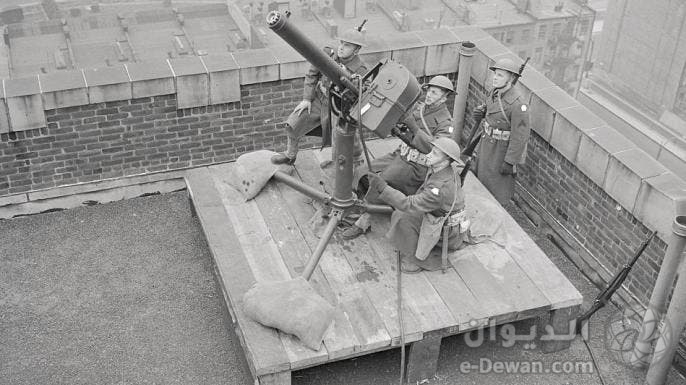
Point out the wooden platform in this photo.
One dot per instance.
(271, 237)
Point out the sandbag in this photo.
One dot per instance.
(291, 306)
(252, 171)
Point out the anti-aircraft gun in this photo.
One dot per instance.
(376, 102)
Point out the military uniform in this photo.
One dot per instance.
(439, 195)
(405, 168)
(316, 91)
(505, 137)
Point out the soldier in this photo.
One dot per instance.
(313, 111)
(506, 132)
(417, 223)
(405, 168)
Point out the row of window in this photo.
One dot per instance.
(508, 37)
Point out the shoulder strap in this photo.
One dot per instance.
(426, 127)
(500, 102)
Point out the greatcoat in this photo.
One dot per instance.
(504, 139)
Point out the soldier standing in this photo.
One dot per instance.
(405, 168)
(419, 218)
(313, 111)
(506, 132)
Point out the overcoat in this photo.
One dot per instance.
(402, 173)
(316, 90)
(436, 196)
(504, 113)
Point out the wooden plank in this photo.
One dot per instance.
(423, 360)
(262, 255)
(366, 322)
(499, 282)
(377, 278)
(282, 378)
(559, 291)
(562, 323)
(466, 309)
(423, 302)
(263, 348)
(340, 339)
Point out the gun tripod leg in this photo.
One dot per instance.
(335, 218)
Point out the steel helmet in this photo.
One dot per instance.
(448, 146)
(353, 36)
(506, 64)
(441, 82)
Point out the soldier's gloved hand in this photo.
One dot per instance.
(302, 106)
(479, 112)
(402, 131)
(376, 183)
(507, 169)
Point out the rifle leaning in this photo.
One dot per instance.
(604, 297)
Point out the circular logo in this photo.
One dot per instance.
(622, 332)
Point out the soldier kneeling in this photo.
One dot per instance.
(418, 220)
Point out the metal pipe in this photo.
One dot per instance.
(312, 263)
(658, 299)
(675, 320)
(315, 55)
(464, 74)
(301, 187)
(377, 209)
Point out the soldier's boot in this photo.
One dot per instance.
(360, 227)
(287, 157)
(408, 265)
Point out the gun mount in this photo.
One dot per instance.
(376, 102)
(389, 89)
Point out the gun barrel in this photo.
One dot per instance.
(279, 23)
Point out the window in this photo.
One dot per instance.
(526, 36)
(542, 32)
(556, 29)
(510, 37)
(522, 54)
(583, 27)
(538, 55)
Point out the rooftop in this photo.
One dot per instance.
(115, 32)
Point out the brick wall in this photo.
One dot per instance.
(129, 137)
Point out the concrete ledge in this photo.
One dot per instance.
(625, 173)
(24, 103)
(224, 84)
(442, 51)
(13, 199)
(4, 117)
(64, 89)
(90, 198)
(542, 117)
(192, 82)
(673, 155)
(376, 50)
(151, 79)
(655, 203)
(595, 149)
(409, 50)
(108, 84)
(102, 185)
(257, 66)
(581, 117)
(291, 64)
(565, 138)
